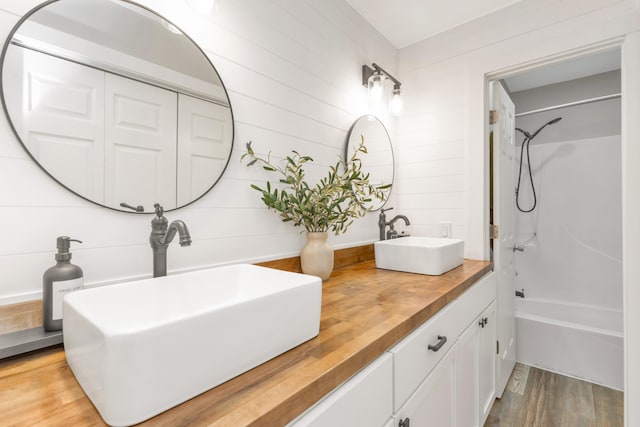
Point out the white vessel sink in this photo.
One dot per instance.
(140, 348)
(422, 255)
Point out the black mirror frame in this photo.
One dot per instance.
(6, 110)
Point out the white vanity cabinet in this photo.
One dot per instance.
(442, 374)
(459, 389)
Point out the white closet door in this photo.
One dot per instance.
(57, 108)
(140, 154)
(204, 143)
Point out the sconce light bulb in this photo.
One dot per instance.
(204, 7)
(396, 103)
(375, 85)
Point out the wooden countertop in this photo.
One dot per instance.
(365, 311)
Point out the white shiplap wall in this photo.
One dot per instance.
(292, 69)
(431, 173)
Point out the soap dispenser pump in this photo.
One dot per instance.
(58, 280)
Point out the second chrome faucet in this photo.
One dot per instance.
(383, 224)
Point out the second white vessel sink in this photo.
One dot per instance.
(140, 348)
(422, 255)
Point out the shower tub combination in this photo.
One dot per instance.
(580, 341)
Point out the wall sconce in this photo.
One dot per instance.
(374, 78)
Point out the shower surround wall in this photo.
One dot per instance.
(573, 239)
(293, 73)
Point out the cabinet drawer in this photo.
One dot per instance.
(475, 300)
(415, 356)
(364, 400)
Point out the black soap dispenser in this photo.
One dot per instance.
(58, 280)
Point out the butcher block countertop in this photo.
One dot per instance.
(365, 311)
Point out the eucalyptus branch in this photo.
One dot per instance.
(331, 204)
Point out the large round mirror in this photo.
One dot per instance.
(116, 104)
(378, 162)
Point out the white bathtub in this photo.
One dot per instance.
(580, 341)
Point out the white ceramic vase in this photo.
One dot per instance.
(316, 257)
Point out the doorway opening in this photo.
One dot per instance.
(565, 246)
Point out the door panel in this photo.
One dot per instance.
(504, 218)
(140, 146)
(204, 143)
(61, 117)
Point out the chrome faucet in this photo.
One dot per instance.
(383, 224)
(161, 235)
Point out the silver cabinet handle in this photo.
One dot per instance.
(437, 346)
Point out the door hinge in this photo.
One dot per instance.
(494, 231)
(497, 347)
(493, 117)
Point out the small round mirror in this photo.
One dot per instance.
(378, 162)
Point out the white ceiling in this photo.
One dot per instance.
(576, 68)
(404, 22)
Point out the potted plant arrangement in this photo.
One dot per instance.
(329, 205)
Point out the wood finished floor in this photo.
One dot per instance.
(537, 398)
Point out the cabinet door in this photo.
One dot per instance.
(475, 370)
(433, 403)
(468, 375)
(487, 368)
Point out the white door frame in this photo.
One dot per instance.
(630, 67)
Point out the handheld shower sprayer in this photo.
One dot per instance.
(528, 137)
(550, 122)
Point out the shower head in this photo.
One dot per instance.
(550, 122)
